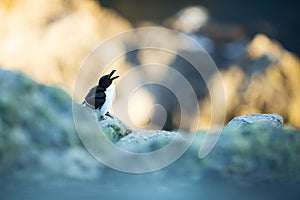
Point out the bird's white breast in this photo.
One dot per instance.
(110, 93)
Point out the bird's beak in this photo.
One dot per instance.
(110, 75)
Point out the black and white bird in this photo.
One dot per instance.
(101, 97)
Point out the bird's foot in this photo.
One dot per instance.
(100, 118)
(109, 115)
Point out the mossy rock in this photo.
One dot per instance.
(256, 154)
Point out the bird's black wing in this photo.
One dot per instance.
(95, 98)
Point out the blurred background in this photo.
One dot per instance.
(254, 44)
(43, 43)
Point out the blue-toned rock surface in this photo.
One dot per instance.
(42, 157)
(37, 133)
(145, 140)
(257, 120)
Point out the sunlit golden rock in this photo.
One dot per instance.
(49, 39)
(265, 80)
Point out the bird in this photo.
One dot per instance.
(101, 97)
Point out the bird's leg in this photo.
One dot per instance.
(109, 115)
(100, 118)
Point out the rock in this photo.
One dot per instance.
(256, 154)
(145, 140)
(75, 163)
(38, 141)
(264, 79)
(35, 112)
(43, 43)
(257, 120)
(88, 123)
(37, 132)
(114, 128)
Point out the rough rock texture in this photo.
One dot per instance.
(38, 141)
(48, 40)
(114, 128)
(254, 154)
(145, 140)
(37, 132)
(254, 149)
(258, 120)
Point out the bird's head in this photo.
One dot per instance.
(106, 80)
